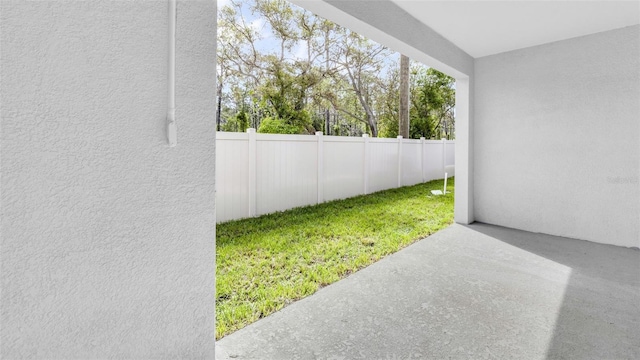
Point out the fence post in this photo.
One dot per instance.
(444, 154)
(366, 164)
(422, 156)
(252, 172)
(399, 160)
(320, 167)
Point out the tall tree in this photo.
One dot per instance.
(360, 62)
(403, 119)
(387, 104)
(434, 100)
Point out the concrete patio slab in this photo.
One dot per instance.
(477, 291)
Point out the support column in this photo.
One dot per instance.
(464, 152)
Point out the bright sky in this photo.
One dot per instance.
(259, 24)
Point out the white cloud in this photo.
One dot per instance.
(257, 24)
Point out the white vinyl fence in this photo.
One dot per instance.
(258, 174)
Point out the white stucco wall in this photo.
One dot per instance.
(108, 235)
(557, 132)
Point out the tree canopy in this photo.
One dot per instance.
(282, 69)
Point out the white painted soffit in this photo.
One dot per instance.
(482, 28)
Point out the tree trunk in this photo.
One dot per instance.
(403, 119)
(218, 110)
(373, 127)
(327, 125)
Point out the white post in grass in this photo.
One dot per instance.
(252, 172)
(444, 154)
(445, 184)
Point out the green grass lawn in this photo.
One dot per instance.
(265, 263)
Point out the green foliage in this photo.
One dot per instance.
(295, 65)
(389, 105)
(240, 122)
(420, 123)
(285, 94)
(243, 121)
(433, 99)
(278, 126)
(230, 126)
(266, 263)
(388, 127)
(432, 102)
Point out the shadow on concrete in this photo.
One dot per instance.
(600, 313)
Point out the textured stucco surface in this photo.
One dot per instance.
(108, 235)
(556, 138)
(466, 292)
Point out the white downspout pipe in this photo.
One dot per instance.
(172, 129)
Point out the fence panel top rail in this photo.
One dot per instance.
(283, 137)
(349, 139)
(223, 135)
(383, 140)
(411, 141)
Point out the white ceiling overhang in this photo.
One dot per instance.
(447, 35)
(482, 28)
